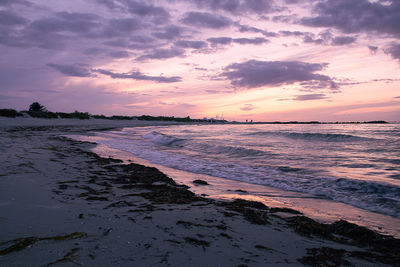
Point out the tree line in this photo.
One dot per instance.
(37, 110)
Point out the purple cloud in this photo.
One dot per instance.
(254, 73)
(215, 41)
(206, 20)
(75, 70)
(356, 16)
(246, 28)
(283, 19)
(191, 44)
(373, 49)
(122, 27)
(170, 32)
(219, 40)
(137, 75)
(293, 33)
(162, 54)
(237, 6)
(10, 19)
(393, 50)
(254, 41)
(142, 9)
(66, 22)
(343, 40)
(13, 2)
(119, 54)
(310, 97)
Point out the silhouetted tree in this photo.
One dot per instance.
(35, 106)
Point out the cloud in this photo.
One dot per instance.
(119, 54)
(122, 27)
(324, 38)
(137, 75)
(66, 22)
(142, 9)
(356, 16)
(373, 49)
(343, 40)
(397, 97)
(393, 50)
(10, 19)
(206, 20)
(283, 19)
(169, 32)
(237, 6)
(293, 33)
(254, 41)
(254, 73)
(247, 107)
(215, 41)
(310, 97)
(191, 44)
(246, 28)
(14, 2)
(75, 70)
(49, 33)
(219, 40)
(162, 54)
(80, 70)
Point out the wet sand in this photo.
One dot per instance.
(62, 204)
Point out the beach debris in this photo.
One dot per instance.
(307, 227)
(285, 210)
(225, 235)
(379, 247)
(165, 194)
(18, 245)
(200, 182)
(197, 242)
(325, 256)
(187, 224)
(107, 231)
(67, 257)
(21, 243)
(253, 211)
(120, 204)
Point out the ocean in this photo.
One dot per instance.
(354, 164)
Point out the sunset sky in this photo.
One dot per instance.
(257, 59)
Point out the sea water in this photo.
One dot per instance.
(355, 164)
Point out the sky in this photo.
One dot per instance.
(260, 60)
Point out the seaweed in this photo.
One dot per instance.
(285, 210)
(200, 182)
(253, 211)
(197, 242)
(67, 257)
(325, 256)
(165, 194)
(21, 243)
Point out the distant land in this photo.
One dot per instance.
(36, 110)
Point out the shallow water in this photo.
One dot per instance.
(354, 164)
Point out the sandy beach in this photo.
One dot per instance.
(61, 204)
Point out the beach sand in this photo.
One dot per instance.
(61, 204)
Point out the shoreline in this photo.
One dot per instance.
(107, 202)
(226, 189)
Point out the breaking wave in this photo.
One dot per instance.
(329, 137)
